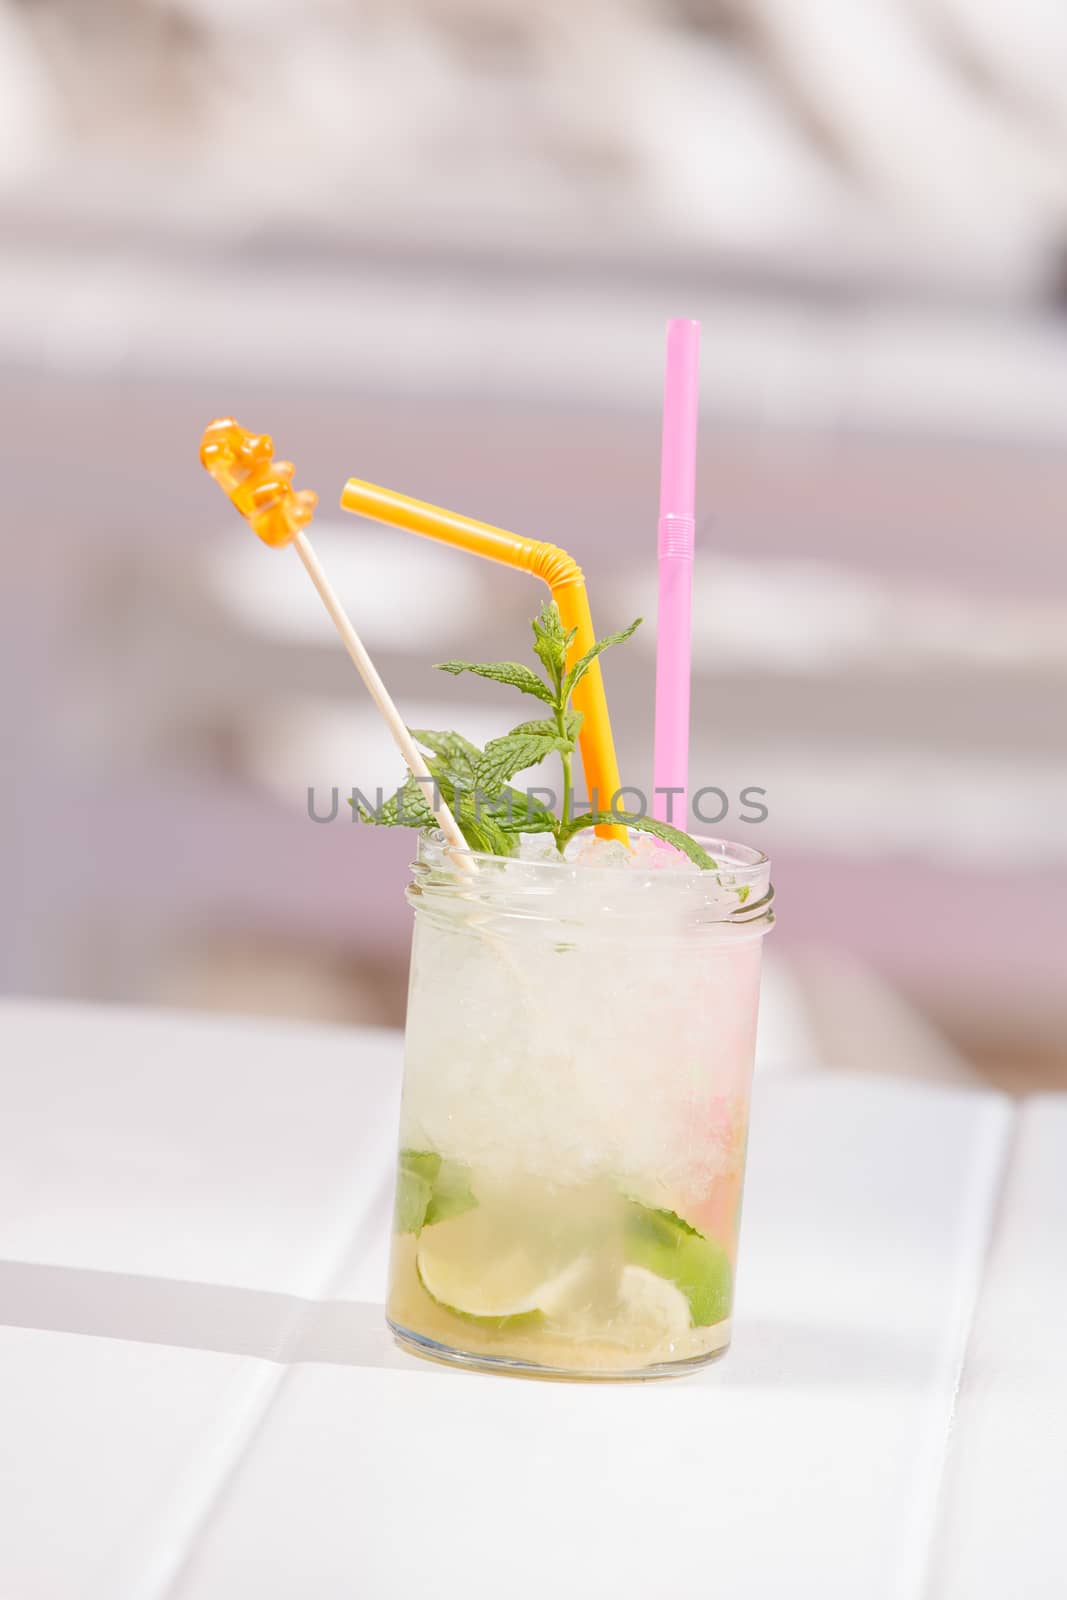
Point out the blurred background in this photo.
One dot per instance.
(434, 243)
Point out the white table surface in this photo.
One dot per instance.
(199, 1399)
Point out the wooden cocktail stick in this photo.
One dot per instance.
(261, 489)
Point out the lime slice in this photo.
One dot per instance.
(473, 1266)
(666, 1245)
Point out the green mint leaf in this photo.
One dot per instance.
(551, 641)
(659, 1222)
(512, 672)
(430, 1189)
(413, 810)
(743, 893)
(482, 832)
(413, 1195)
(455, 768)
(581, 666)
(427, 1163)
(489, 825)
(663, 1243)
(546, 727)
(414, 1188)
(455, 756)
(384, 817)
(409, 809)
(662, 830)
(513, 753)
(452, 1194)
(476, 822)
(515, 812)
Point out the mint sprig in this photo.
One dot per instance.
(475, 783)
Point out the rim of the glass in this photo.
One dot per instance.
(755, 864)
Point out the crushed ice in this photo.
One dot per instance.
(646, 853)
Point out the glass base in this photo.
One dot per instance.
(418, 1344)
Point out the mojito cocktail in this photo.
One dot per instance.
(582, 1011)
(579, 1051)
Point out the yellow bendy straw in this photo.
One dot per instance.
(262, 490)
(566, 584)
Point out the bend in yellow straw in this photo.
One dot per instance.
(566, 584)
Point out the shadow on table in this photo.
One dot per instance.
(192, 1316)
(288, 1328)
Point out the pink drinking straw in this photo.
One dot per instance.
(676, 528)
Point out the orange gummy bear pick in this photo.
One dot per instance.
(262, 489)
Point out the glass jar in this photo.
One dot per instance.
(578, 1064)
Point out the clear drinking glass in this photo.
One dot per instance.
(575, 1110)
